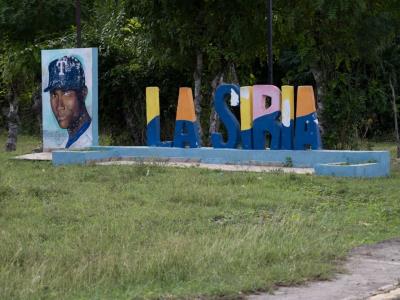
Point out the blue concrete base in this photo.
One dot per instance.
(325, 162)
(350, 170)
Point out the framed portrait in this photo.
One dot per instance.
(70, 98)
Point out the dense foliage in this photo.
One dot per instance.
(348, 50)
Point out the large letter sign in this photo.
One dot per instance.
(186, 131)
(153, 118)
(256, 119)
(307, 130)
(266, 120)
(287, 108)
(227, 117)
(246, 116)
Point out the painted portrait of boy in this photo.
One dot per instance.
(68, 113)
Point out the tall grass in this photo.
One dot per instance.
(128, 232)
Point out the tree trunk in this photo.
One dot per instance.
(132, 112)
(12, 121)
(37, 109)
(235, 79)
(396, 124)
(319, 80)
(197, 90)
(214, 121)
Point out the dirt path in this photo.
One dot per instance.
(221, 167)
(373, 273)
(179, 164)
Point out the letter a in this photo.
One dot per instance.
(186, 129)
(307, 129)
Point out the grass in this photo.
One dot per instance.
(129, 232)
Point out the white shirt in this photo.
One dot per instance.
(85, 140)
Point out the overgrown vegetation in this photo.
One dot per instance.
(348, 50)
(128, 232)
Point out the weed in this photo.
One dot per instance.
(288, 162)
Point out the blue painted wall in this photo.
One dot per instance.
(309, 159)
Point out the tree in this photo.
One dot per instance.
(15, 75)
(25, 26)
(389, 66)
(337, 43)
(206, 38)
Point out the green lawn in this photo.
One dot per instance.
(128, 232)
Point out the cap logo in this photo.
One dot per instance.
(61, 65)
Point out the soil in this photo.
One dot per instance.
(372, 272)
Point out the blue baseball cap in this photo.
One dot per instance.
(66, 73)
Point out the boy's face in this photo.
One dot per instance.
(65, 106)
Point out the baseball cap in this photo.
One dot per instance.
(66, 73)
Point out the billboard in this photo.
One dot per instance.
(70, 98)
